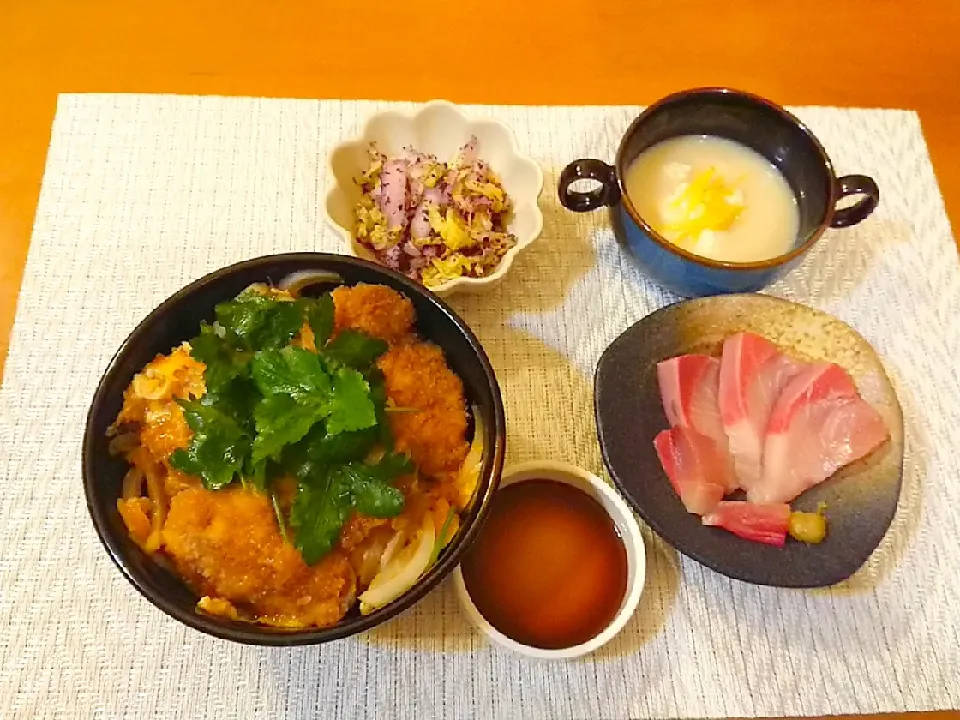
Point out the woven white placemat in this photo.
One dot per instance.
(145, 193)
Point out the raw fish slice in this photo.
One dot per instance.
(752, 374)
(816, 381)
(696, 468)
(760, 523)
(818, 425)
(688, 389)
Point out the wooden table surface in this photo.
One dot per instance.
(867, 53)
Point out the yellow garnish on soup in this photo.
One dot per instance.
(707, 202)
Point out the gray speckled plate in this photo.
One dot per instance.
(861, 499)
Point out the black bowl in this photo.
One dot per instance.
(861, 499)
(178, 319)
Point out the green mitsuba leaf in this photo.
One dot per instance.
(256, 322)
(325, 499)
(291, 371)
(320, 449)
(219, 446)
(320, 315)
(351, 406)
(319, 511)
(298, 394)
(223, 362)
(281, 421)
(371, 494)
(355, 349)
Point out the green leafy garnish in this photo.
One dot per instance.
(273, 409)
(352, 407)
(355, 349)
(256, 474)
(298, 393)
(325, 498)
(318, 514)
(219, 446)
(291, 371)
(320, 317)
(372, 497)
(282, 421)
(320, 449)
(237, 398)
(258, 322)
(223, 362)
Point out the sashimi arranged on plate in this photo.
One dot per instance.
(758, 420)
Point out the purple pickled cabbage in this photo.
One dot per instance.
(396, 187)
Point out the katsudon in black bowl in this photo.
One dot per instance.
(293, 449)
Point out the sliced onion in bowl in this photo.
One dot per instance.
(389, 552)
(469, 474)
(401, 572)
(296, 282)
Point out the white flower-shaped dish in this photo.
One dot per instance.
(438, 128)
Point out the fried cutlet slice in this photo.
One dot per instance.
(375, 310)
(433, 424)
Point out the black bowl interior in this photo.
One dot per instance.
(753, 122)
(861, 499)
(178, 319)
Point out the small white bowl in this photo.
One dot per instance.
(438, 128)
(629, 530)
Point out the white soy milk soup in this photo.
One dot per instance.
(715, 198)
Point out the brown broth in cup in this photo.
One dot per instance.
(549, 569)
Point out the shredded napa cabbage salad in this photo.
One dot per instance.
(431, 220)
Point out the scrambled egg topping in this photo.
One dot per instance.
(451, 229)
(150, 400)
(432, 174)
(705, 203)
(371, 226)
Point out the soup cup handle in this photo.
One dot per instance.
(587, 169)
(855, 185)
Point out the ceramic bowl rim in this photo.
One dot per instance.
(769, 105)
(653, 520)
(450, 286)
(629, 528)
(117, 547)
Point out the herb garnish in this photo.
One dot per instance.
(273, 409)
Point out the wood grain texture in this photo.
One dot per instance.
(878, 53)
(868, 53)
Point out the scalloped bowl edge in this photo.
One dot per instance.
(528, 204)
